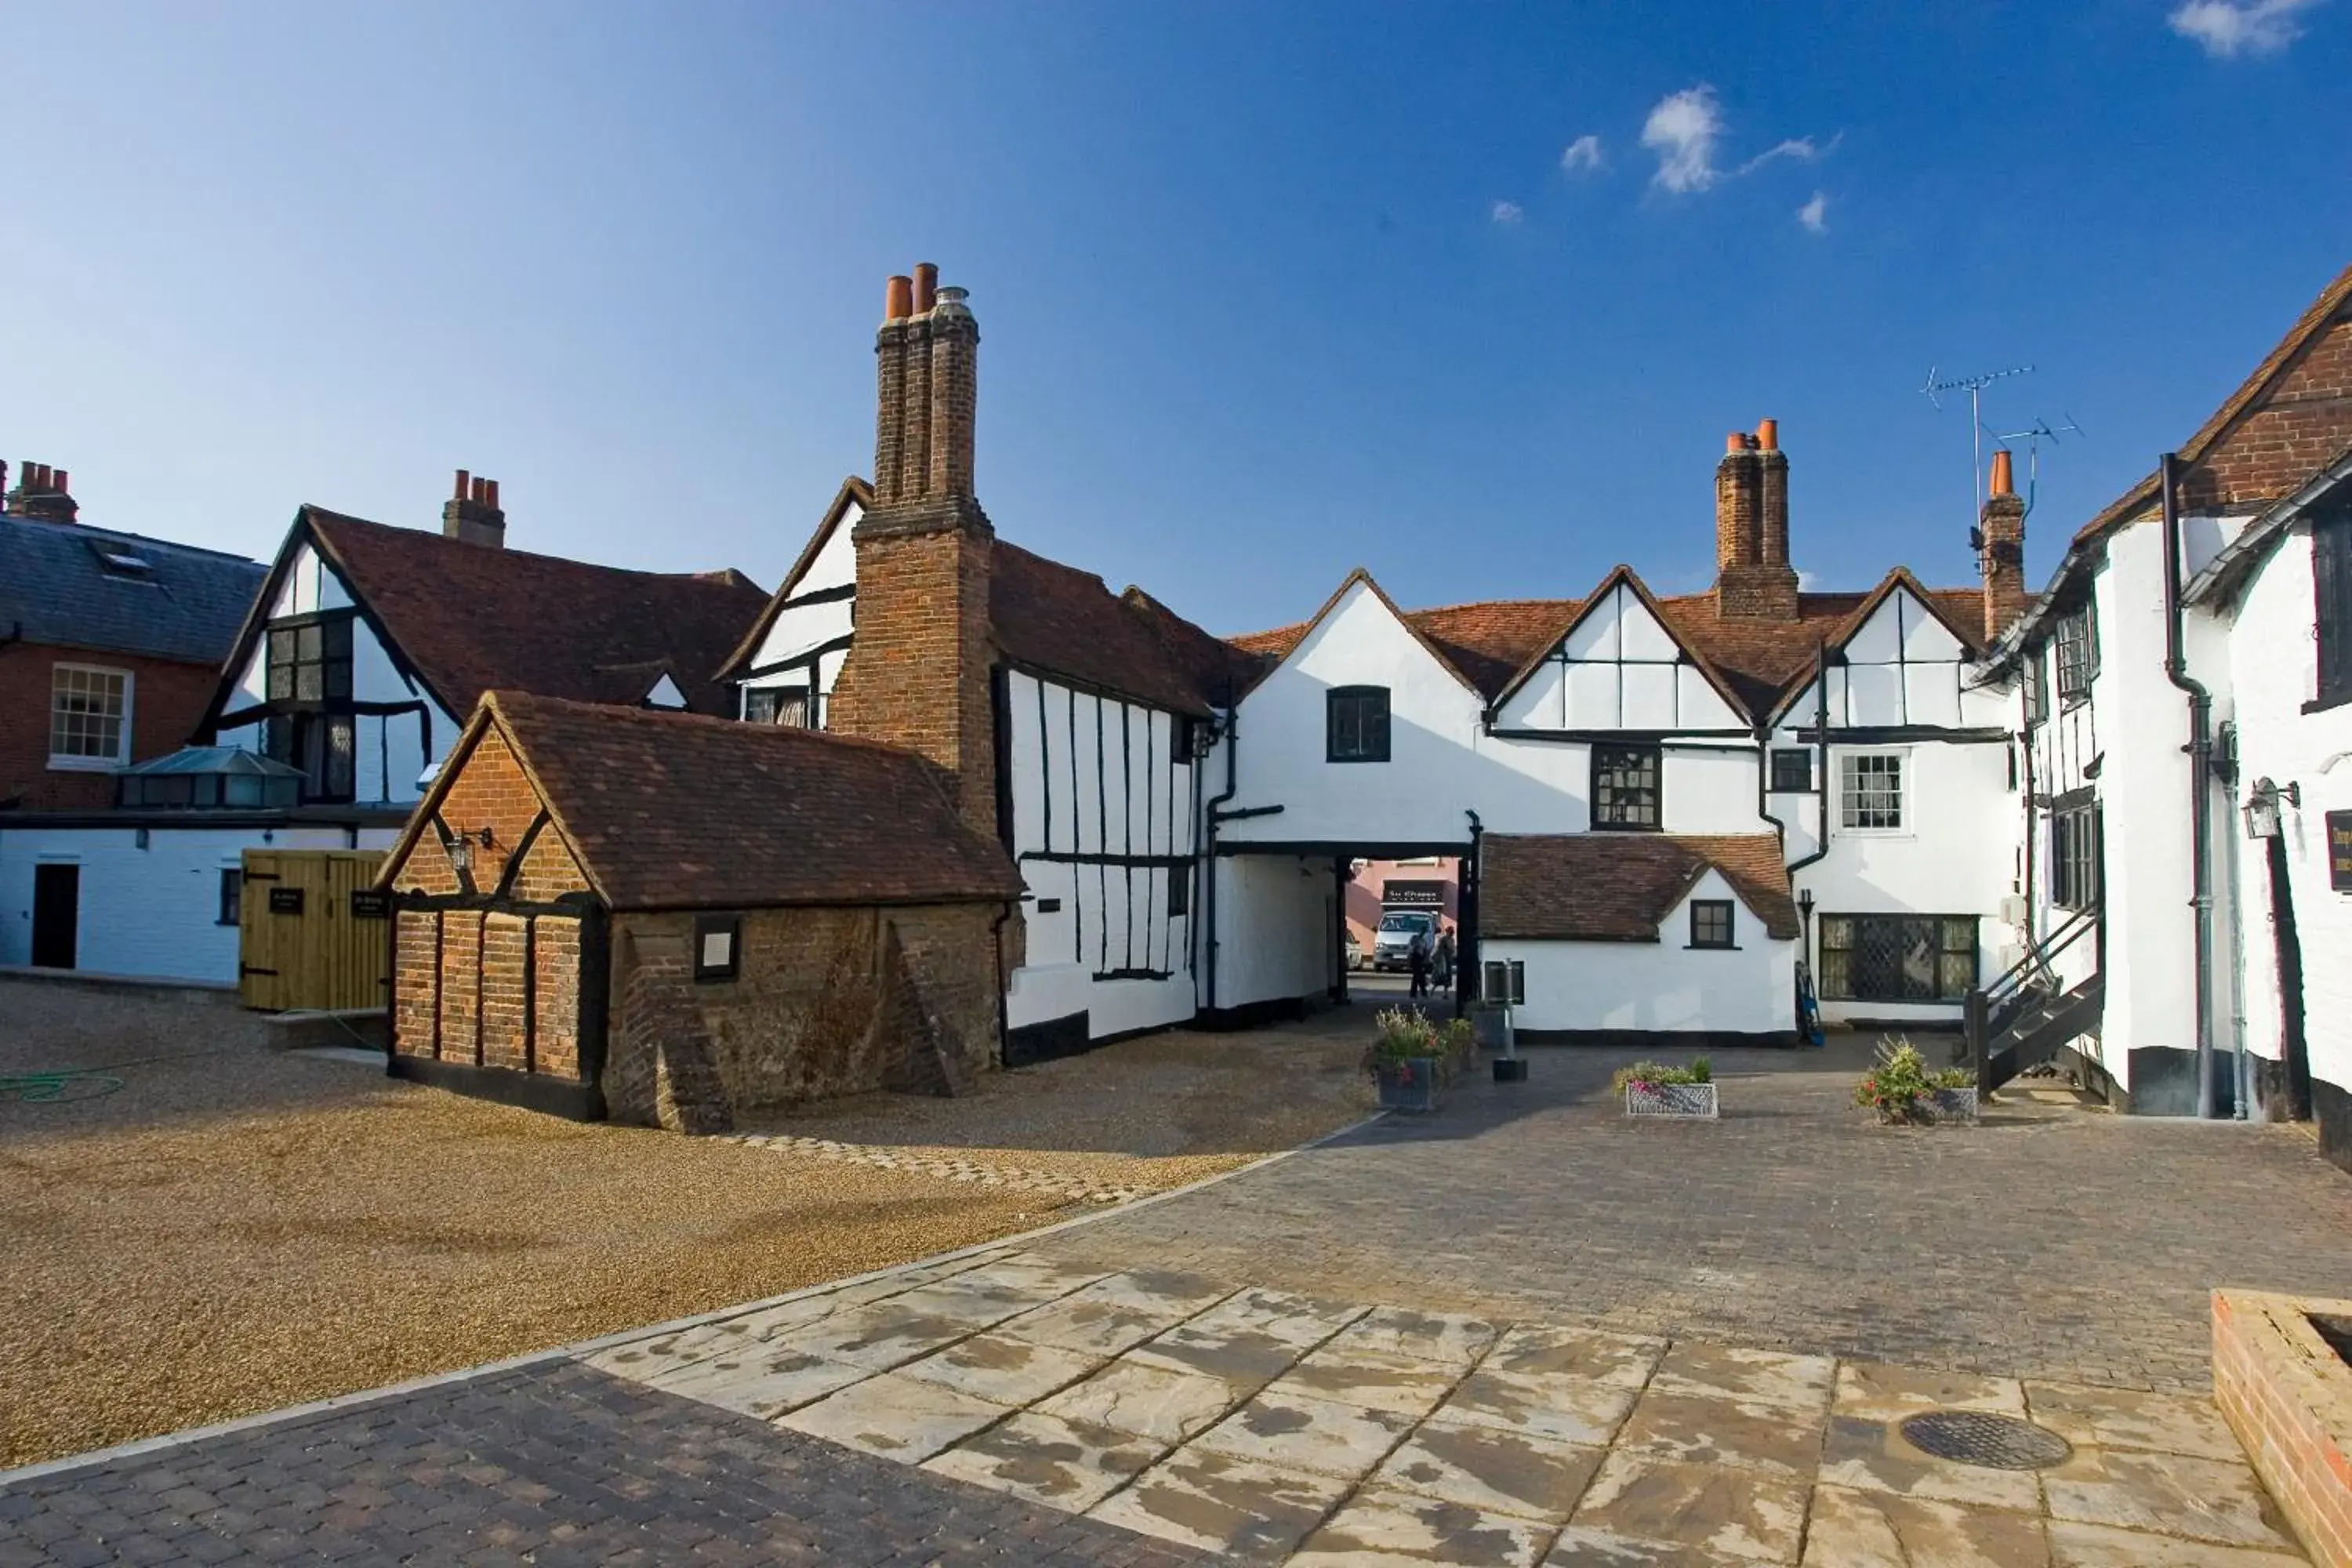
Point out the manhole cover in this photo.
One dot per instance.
(1994, 1442)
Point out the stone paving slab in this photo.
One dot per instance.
(1273, 1425)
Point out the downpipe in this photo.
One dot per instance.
(2201, 788)
(1209, 863)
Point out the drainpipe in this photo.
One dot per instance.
(2201, 788)
(1208, 862)
(1821, 755)
(1003, 1015)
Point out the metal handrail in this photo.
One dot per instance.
(2037, 955)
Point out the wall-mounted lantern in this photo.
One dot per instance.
(2262, 807)
(461, 849)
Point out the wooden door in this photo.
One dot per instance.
(312, 933)
(56, 914)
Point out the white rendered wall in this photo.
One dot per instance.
(1665, 985)
(1617, 668)
(1277, 929)
(153, 912)
(1093, 779)
(2274, 666)
(391, 750)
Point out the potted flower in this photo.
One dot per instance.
(1653, 1088)
(1902, 1091)
(1411, 1059)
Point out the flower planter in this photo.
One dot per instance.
(1695, 1101)
(1950, 1105)
(1408, 1085)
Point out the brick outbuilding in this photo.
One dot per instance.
(668, 918)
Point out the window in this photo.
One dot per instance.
(1179, 889)
(311, 658)
(1183, 744)
(232, 895)
(321, 744)
(1898, 958)
(1356, 724)
(1870, 792)
(2036, 681)
(1793, 769)
(2075, 650)
(1710, 922)
(1625, 786)
(1504, 982)
(90, 717)
(777, 705)
(717, 944)
(2076, 832)
(2331, 579)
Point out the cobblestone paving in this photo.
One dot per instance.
(1271, 1427)
(2054, 1242)
(555, 1466)
(956, 1168)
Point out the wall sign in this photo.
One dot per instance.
(2339, 850)
(368, 904)
(285, 900)
(1399, 895)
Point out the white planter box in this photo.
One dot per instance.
(1680, 1100)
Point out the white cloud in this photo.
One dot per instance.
(1808, 582)
(1507, 213)
(1682, 130)
(1812, 214)
(1584, 152)
(1801, 148)
(2227, 28)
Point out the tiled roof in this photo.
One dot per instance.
(1618, 887)
(1488, 643)
(56, 588)
(470, 618)
(1062, 621)
(669, 810)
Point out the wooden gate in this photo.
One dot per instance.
(312, 933)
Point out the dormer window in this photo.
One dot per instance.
(1356, 725)
(121, 561)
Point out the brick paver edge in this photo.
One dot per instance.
(311, 1409)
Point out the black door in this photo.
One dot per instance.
(57, 913)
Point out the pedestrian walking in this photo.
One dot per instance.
(1442, 959)
(1417, 960)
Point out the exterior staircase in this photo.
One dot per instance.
(2021, 1019)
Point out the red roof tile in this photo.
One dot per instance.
(1061, 621)
(668, 810)
(1619, 887)
(469, 618)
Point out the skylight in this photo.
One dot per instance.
(122, 561)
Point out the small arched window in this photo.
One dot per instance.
(1356, 725)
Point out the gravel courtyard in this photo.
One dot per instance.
(208, 1227)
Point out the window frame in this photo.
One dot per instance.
(1701, 912)
(777, 698)
(1804, 755)
(1513, 981)
(2077, 865)
(231, 909)
(2077, 631)
(1179, 891)
(2035, 677)
(1619, 752)
(86, 761)
(2331, 594)
(1849, 797)
(1827, 972)
(1335, 702)
(332, 625)
(732, 928)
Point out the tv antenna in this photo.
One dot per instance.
(1974, 387)
(2034, 435)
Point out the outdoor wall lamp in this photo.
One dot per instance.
(461, 849)
(2262, 807)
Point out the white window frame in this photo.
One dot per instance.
(71, 763)
(1904, 780)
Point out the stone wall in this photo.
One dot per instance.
(826, 1002)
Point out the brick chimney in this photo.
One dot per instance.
(472, 514)
(41, 492)
(2000, 550)
(1753, 578)
(917, 674)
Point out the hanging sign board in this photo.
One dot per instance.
(285, 900)
(368, 904)
(2339, 850)
(1414, 895)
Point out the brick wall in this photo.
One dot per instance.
(2288, 1396)
(819, 1008)
(2002, 562)
(2297, 427)
(167, 702)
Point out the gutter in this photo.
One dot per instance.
(2201, 788)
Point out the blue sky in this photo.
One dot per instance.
(1266, 292)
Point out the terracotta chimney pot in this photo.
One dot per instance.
(1736, 442)
(462, 489)
(1768, 435)
(2004, 481)
(927, 286)
(62, 483)
(898, 303)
